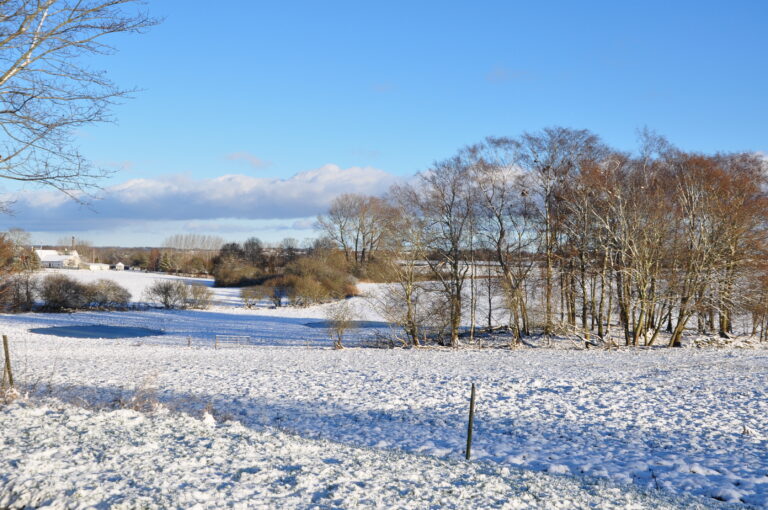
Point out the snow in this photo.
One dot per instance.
(136, 282)
(554, 428)
(127, 459)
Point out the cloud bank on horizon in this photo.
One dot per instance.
(181, 198)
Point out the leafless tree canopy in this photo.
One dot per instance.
(193, 242)
(360, 225)
(46, 91)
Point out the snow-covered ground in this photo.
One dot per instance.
(687, 421)
(69, 457)
(136, 282)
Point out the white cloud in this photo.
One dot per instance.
(117, 166)
(181, 198)
(303, 224)
(252, 160)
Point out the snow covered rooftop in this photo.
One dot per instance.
(54, 256)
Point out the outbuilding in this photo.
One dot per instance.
(94, 266)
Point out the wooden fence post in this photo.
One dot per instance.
(7, 371)
(471, 421)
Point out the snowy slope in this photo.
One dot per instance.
(128, 459)
(136, 282)
(688, 421)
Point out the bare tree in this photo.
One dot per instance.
(743, 210)
(506, 223)
(551, 158)
(444, 201)
(46, 91)
(340, 318)
(253, 251)
(402, 300)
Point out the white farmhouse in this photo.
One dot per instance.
(55, 259)
(119, 266)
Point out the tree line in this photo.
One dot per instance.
(568, 236)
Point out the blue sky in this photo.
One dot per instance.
(299, 101)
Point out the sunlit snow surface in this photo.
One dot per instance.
(126, 459)
(687, 421)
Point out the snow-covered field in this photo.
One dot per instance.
(136, 282)
(126, 459)
(294, 423)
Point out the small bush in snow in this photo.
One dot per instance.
(144, 399)
(279, 288)
(339, 319)
(60, 292)
(109, 294)
(168, 293)
(199, 296)
(252, 295)
(275, 289)
(308, 291)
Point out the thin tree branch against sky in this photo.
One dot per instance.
(387, 88)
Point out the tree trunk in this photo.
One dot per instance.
(455, 319)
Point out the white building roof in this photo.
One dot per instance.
(54, 256)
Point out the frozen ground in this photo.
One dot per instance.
(127, 459)
(687, 421)
(136, 282)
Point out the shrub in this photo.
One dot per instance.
(195, 264)
(252, 295)
(109, 294)
(339, 319)
(168, 293)
(281, 288)
(233, 272)
(18, 292)
(318, 278)
(60, 292)
(199, 296)
(277, 288)
(308, 291)
(321, 278)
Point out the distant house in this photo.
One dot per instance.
(58, 260)
(119, 266)
(94, 266)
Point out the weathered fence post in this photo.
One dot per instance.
(471, 421)
(7, 370)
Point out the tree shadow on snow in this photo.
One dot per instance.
(179, 326)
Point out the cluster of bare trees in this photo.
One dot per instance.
(567, 236)
(189, 253)
(359, 224)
